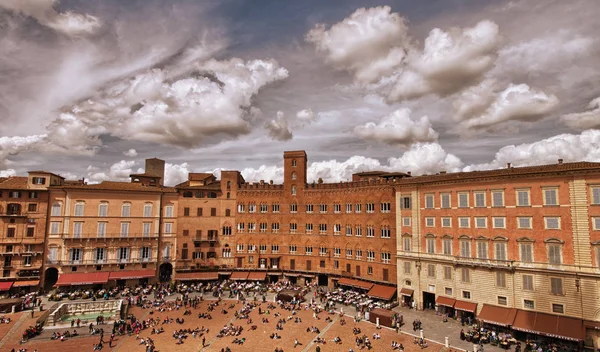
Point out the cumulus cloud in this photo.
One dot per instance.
(569, 147)
(132, 153)
(375, 46)
(43, 11)
(398, 128)
(120, 171)
(584, 120)
(8, 173)
(369, 43)
(483, 106)
(278, 128)
(176, 173)
(306, 116)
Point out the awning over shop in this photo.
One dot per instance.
(292, 274)
(131, 274)
(26, 283)
(198, 276)
(465, 306)
(257, 275)
(75, 279)
(500, 316)
(6, 285)
(362, 284)
(445, 301)
(275, 274)
(595, 325)
(382, 292)
(239, 275)
(561, 327)
(346, 281)
(226, 273)
(407, 292)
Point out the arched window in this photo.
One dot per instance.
(293, 162)
(228, 195)
(293, 190)
(293, 175)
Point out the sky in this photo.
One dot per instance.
(89, 89)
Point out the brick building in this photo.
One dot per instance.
(317, 231)
(484, 242)
(23, 210)
(206, 220)
(114, 231)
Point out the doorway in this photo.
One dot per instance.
(50, 278)
(165, 272)
(428, 300)
(323, 280)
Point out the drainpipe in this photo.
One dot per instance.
(45, 241)
(160, 227)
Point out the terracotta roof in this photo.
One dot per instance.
(118, 186)
(199, 176)
(513, 171)
(215, 186)
(44, 172)
(14, 182)
(370, 173)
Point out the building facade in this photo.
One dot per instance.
(112, 227)
(23, 211)
(317, 231)
(524, 238)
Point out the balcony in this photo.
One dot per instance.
(112, 236)
(206, 239)
(102, 261)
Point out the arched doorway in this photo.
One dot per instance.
(165, 271)
(50, 278)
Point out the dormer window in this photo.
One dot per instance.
(38, 180)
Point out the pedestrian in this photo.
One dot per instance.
(72, 322)
(203, 341)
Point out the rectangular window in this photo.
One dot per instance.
(595, 195)
(430, 243)
(481, 222)
(123, 254)
(429, 201)
(445, 200)
(124, 229)
(213, 211)
(554, 254)
(55, 228)
(479, 199)
(524, 222)
(75, 256)
(103, 210)
(500, 279)
(56, 209)
(337, 208)
(526, 250)
(407, 267)
(446, 222)
(147, 210)
(430, 222)
(550, 196)
(168, 228)
(146, 229)
(431, 270)
(101, 229)
(100, 255)
(464, 222)
(169, 211)
(241, 208)
(528, 304)
(447, 273)
(79, 209)
(30, 231)
(448, 291)
(463, 200)
(145, 254)
(500, 249)
(406, 221)
(502, 301)
(77, 229)
(407, 245)
(556, 286)
(596, 223)
(482, 250)
(465, 275)
(465, 249)
(348, 208)
(497, 199)
(466, 294)
(38, 180)
(406, 203)
(552, 222)
(126, 210)
(499, 222)
(186, 211)
(523, 198)
(447, 246)
(527, 282)
(558, 308)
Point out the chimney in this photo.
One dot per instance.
(560, 161)
(409, 173)
(270, 182)
(508, 165)
(262, 182)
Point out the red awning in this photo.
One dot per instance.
(407, 292)
(346, 281)
(445, 301)
(131, 274)
(197, 276)
(382, 292)
(465, 306)
(500, 316)
(257, 275)
(82, 278)
(6, 285)
(26, 283)
(362, 284)
(239, 275)
(561, 327)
